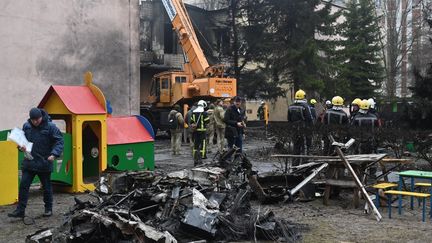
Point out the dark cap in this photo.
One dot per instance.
(237, 98)
(35, 113)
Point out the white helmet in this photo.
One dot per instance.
(202, 103)
(371, 103)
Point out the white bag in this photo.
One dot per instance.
(17, 136)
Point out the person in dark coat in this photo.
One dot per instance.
(300, 116)
(234, 119)
(367, 123)
(312, 103)
(334, 119)
(47, 146)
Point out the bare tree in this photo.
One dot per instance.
(402, 21)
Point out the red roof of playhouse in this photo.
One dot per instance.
(77, 99)
(124, 130)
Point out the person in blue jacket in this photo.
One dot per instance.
(47, 146)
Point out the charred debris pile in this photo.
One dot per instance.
(204, 203)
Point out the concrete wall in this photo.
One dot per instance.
(48, 42)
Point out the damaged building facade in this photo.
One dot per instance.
(159, 47)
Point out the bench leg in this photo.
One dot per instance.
(377, 199)
(430, 191)
(400, 196)
(400, 205)
(389, 198)
(412, 189)
(326, 197)
(424, 209)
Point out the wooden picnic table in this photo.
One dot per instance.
(352, 159)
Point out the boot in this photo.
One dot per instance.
(47, 213)
(17, 214)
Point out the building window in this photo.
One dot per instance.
(180, 79)
(165, 84)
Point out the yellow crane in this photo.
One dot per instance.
(197, 80)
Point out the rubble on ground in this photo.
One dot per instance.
(204, 203)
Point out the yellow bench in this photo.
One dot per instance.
(405, 193)
(384, 186)
(422, 184)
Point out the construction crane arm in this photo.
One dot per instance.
(183, 26)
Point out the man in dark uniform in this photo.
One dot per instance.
(334, 118)
(199, 122)
(355, 107)
(299, 114)
(312, 103)
(47, 146)
(368, 123)
(234, 120)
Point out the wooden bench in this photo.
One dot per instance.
(383, 186)
(405, 193)
(422, 186)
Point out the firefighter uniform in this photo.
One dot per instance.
(367, 122)
(334, 118)
(299, 114)
(199, 121)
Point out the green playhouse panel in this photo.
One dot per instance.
(62, 171)
(133, 156)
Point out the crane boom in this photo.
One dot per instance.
(183, 26)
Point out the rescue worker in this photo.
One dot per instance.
(47, 146)
(199, 122)
(327, 105)
(234, 120)
(368, 123)
(372, 107)
(188, 122)
(210, 127)
(312, 103)
(355, 107)
(333, 119)
(219, 124)
(176, 122)
(299, 114)
(261, 111)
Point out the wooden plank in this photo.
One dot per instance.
(384, 185)
(357, 158)
(341, 183)
(405, 193)
(394, 160)
(356, 179)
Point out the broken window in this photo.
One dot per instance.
(154, 86)
(170, 40)
(222, 41)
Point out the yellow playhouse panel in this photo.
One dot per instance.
(8, 173)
